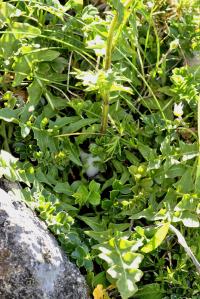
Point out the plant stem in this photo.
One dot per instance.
(111, 43)
(107, 65)
(109, 47)
(4, 135)
(105, 113)
(197, 181)
(187, 249)
(119, 31)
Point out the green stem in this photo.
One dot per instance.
(119, 31)
(187, 249)
(111, 43)
(109, 47)
(4, 135)
(107, 65)
(105, 113)
(197, 181)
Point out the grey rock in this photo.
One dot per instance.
(32, 265)
(194, 60)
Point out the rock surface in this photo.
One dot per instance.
(32, 265)
(194, 60)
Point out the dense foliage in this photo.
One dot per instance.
(120, 188)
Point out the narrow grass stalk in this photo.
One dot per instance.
(197, 181)
(146, 84)
(111, 43)
(109, 47)
(107, 66)
(105, 112)
(187, 249)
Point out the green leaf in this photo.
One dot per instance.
(117, 87)
(53, 8)
(24, 30)
(123, 262)
(8, 166)
(56, 102)
(148, 213)
(188, 202)
(82, 257)
(26, 64)
(99, 279)
(150, 291)
(94, 197)
(7, 159)
(93, 186)
(63, 188)
(22, 69)
(59, 64)
(8, 45)
(35, 92)
(49, 77)
(25, 130)
(81, 195)
(190, 219)
(185, 184)
(63, 121)
(41, 177)
(187, 249)
(119, 7)
(94, 223)
(100, 236)
(147, 152)
(49, 97)
(175, 171)
(74, 152)
(157, 239)
(197, 180)
(9, 115)
(74, 127)
(8, 11)
(44, 140)
(43, 55)
(189, 151)
(74, 4)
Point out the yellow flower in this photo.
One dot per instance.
(100, 292)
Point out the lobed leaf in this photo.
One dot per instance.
(123, 263)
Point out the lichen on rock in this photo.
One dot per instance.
(32, 265)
